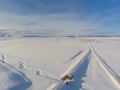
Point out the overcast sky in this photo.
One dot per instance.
(72, 17)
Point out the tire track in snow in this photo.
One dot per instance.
(78, 66)
(112, 74)
(75, 72)
(77, 63)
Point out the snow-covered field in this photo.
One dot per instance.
(93, 63)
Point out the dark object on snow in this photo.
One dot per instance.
(67, 78)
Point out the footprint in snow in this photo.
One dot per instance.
(3, 60)
(38, 72)
(21, 65)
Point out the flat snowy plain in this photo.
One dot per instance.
(40, 63)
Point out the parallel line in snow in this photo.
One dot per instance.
(113, 75)
(73, 68)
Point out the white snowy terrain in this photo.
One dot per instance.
(91, 63)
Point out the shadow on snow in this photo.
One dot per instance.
(16, 76)
(78, 76)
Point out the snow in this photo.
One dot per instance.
(40, 63)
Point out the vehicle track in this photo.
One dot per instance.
(76, 72)
(111, 73)
(79, 67)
